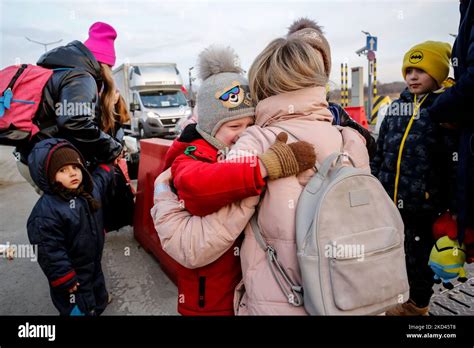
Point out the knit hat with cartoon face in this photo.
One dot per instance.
(430, 56)
(311, 32)
(224, 94)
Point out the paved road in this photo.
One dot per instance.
(133, 276)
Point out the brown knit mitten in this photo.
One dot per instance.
(282, 160)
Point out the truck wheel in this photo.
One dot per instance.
(141, 132)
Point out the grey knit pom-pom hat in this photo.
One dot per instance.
(224, 94)
(311, 32)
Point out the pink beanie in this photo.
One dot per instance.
(101, 42)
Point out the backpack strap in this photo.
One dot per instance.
(335, 156)
(64, 69)
(17, 75)
(6, 98)
(292, 291)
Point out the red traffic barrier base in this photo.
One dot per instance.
(152, 156)
(358, 114)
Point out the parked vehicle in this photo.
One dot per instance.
(156, 97)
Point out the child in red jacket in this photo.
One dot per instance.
(205, 182)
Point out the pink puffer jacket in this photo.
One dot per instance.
(194, 241)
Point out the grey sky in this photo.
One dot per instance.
(176, 31)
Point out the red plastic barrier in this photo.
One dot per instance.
(152, 155)
(358, 114)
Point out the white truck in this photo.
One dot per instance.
(154, 93)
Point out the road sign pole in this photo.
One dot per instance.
(369, 50)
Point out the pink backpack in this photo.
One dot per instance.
(21, 92)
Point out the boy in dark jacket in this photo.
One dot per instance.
(411, 163)
(66, 225)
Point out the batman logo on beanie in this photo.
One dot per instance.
(416, 57)
(432, 57)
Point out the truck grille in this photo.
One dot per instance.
(169, 122)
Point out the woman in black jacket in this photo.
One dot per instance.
(70, 107)
(454, 110)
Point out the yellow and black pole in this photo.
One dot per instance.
(346, 85)
(344, 91)
(375, 78)
(342, 84)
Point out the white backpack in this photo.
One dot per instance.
(350, 244)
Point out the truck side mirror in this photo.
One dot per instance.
(134, 107)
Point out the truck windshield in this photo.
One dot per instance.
(163, 99)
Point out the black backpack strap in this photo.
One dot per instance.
(64, 69)
(15, 77)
